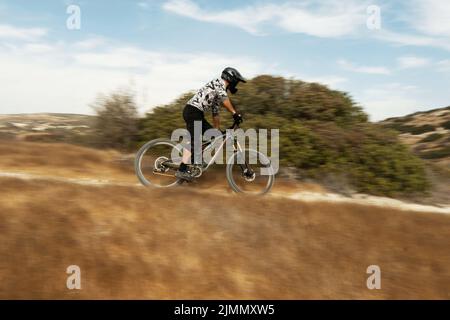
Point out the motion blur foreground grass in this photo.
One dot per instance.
(199, 241)
(132, 242)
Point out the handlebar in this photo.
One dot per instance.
(235, 125)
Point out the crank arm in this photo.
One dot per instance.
(163, 174)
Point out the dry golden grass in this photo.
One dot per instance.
(70, 161)
(133, 242)
(145, 243)
(63, 160)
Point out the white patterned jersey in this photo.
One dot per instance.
(210, 96)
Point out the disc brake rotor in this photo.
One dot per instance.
(159, 164)
(196, 171)
(249, 176)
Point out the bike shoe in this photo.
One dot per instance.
(184, 175)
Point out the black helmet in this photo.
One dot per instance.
(233, 77)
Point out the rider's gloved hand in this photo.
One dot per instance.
(237, 117)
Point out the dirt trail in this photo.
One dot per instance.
(305, 196)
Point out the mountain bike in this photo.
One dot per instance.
(247, 170)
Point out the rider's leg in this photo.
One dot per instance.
(185, 159)
(205, 125)
(190, 115)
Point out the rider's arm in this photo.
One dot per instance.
(228, 105)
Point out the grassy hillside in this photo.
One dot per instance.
(427, 133)
(49, 127)
(197, 242)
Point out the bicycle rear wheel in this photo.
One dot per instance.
(157, 161)
(250, 172)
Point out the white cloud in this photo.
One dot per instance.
(91, 42)
(38, 48)
(391, 106)
(330, 80)
(40, 76)
(328, 19)
(431, 21)
(323, 19)
(444, 65)
(122, 57)
(431, 17)
(67, 79)
(412, 39)
(30, 34)
(389, 100)
(363, 69)
(331, 19)
(247, 19)
(43, 77)
(408, 62)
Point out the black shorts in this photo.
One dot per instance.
(190, 115)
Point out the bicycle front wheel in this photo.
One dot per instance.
(250, 171)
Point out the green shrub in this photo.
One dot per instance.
(422, 129)
(404, 128)
(432, 137)
(116, 124)
(436, 153)
(446, 125)
(387, 169)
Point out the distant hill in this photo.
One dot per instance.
(427, 133)
(46, 126)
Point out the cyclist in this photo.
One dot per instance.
(209, 97)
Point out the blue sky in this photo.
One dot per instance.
(162, 48)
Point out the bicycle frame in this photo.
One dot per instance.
(209, 144)
(225, 137)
